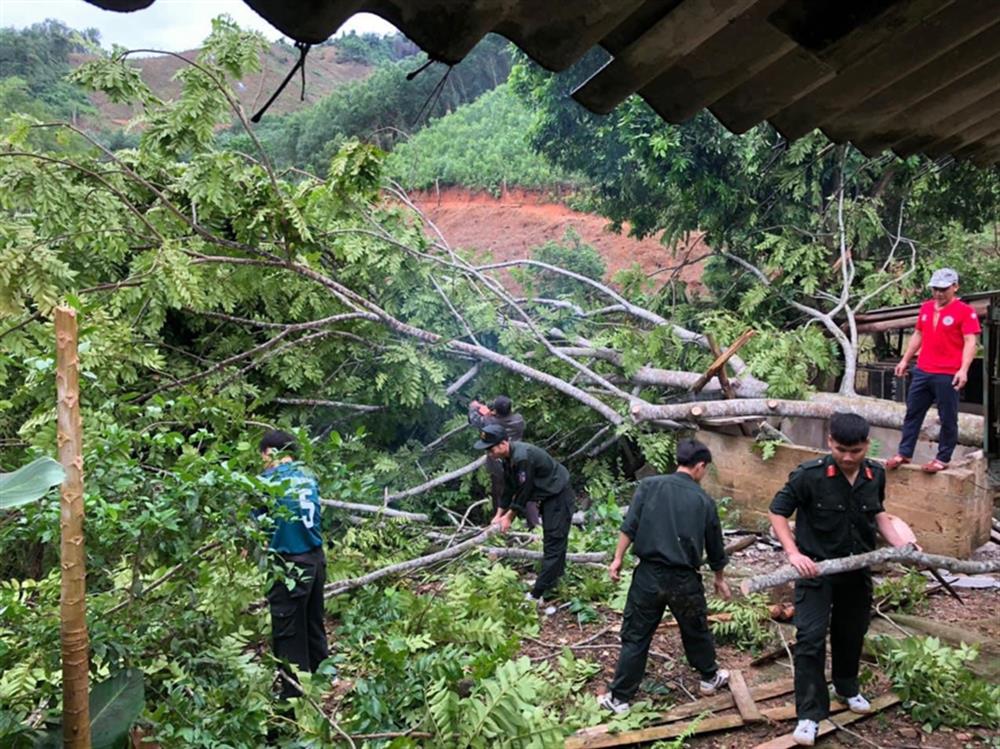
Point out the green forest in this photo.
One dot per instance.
(230, 279)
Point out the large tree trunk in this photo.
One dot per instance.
(820, 406)
(73, 612)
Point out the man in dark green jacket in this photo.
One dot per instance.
(531, 474)
(837, 502)
(672, 522)
(501, 411)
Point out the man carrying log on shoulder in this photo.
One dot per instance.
(672, 523)
(531, 474)
(838, 505)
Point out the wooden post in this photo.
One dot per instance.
(721, 359)
(73, 611)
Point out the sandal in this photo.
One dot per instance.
(934, 466)
(895, 462)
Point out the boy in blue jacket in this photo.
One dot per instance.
(297, 629)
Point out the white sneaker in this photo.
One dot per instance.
(540, 603)
(609, 702)
(856, 704)
(805, 732)
(708, 688)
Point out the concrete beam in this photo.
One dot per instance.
(556, 35)
(883, 112)
(933, 37)
(965, 126)
(794, 78)
(931, 111)
(675, 35)
(726, 61)
(791, 77)
(987, 159)
(979, 152)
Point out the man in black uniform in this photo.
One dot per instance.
(501, 411)
(672, 523)
(838, 504)
(530, 473)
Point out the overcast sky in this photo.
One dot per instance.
(171, 25)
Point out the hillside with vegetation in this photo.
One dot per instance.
(223, 289)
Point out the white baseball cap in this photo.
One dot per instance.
(943, 278)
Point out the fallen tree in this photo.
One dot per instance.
(820, 406)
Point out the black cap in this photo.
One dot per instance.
(490, 435)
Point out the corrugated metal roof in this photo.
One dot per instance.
(905, 316)
(914, 76)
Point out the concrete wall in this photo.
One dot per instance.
(950, 512)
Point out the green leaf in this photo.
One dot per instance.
(114, 706)
(29, 483)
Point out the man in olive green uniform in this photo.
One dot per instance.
(501, 411)
(672, 523)
(837, 502)
(531, 474)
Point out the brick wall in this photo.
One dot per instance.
(949, 512)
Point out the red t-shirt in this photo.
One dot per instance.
(941, 349)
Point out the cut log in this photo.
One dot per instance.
(903, 555)
(820, 406)
(741, 544)
(826, 727)
(744, 700)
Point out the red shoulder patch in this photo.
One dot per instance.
(869, 474)
(831, 471)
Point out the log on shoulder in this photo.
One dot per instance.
(904, 555)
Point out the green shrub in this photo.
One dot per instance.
(936, 685)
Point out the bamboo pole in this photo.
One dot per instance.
(72, 602)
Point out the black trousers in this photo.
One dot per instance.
(840, 604)
(557, 515)
(297, 633)
(925, 390)
(498, 485)
(654, 588)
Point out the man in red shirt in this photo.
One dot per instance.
(945, 336)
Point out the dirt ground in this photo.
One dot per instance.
(668, 674)
(510, 226)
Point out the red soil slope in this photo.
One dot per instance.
(510, 226)
(324, 72)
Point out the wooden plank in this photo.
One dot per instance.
(673, 730)
(772, 654)
(721, 701)
(826, 727)
(744, 701)
(721, 359)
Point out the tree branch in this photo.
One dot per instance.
(904, 555)
(342, 586)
